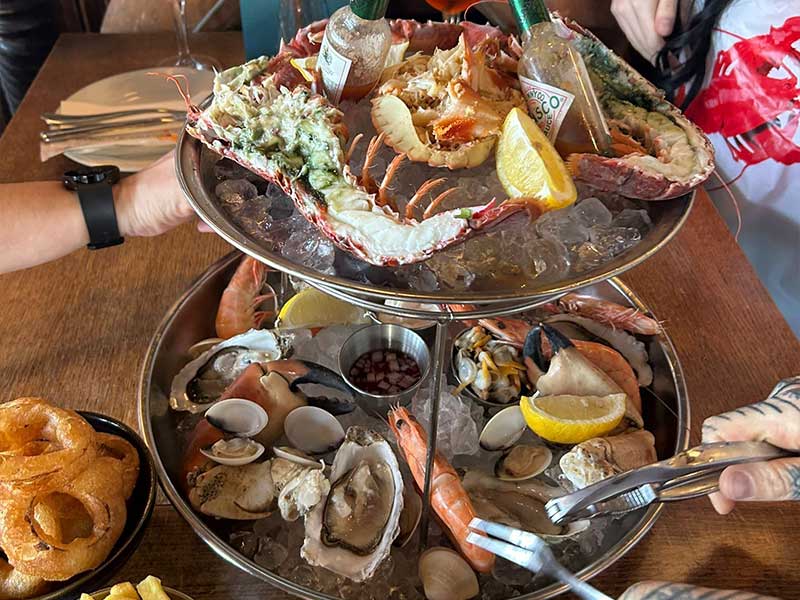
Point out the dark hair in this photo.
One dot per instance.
(689, 46)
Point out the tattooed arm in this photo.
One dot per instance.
(775, 420)
(659, 590)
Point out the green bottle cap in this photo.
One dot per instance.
(371, 10)
(528, 13)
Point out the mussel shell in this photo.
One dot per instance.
(523, 462)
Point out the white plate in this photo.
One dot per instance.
(128, 91)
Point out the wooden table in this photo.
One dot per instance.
(75, 331)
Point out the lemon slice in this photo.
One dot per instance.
(306, 66)
(572, 419)
(529, 166)
(312, 308)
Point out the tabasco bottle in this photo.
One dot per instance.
(354, 49)
(556, 85)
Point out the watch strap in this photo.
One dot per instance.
(97, 204)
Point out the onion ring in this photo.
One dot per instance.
(16, 586)
(37, 552)
(120, 449)
(40, 442)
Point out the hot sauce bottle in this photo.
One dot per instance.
(556, 84)
(354, 49)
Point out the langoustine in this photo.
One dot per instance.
(448, 498)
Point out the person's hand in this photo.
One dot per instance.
(151, 202)
(661, 590)
(646, 23)
(775, 420)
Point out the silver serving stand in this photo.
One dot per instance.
(194, 165)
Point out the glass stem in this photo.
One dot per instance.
(181, 30)
(453, 18)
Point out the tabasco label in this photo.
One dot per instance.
(547, 105)
(334, 68)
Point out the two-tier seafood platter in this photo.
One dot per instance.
(267, 502)
(346, 459)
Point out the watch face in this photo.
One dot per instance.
(89, 175)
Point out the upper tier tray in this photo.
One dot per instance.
(468, 255)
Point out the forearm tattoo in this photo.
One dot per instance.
(784, 400)
(683, 591)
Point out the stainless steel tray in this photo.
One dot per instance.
(191, 318)
(195, 169)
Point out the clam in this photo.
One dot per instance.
(238, 416)
(410, 516)
(446, 576)
(523, 462)
(313, 430)
(201, 381)
(503, 430)
(198, 348)
(352, 530)
(234, 452)
(298, 456)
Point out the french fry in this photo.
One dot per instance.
(86, 597)
(150, 589)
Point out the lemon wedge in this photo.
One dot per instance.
(312, 308)
(529, 166)
(572, 419)
(306, 66)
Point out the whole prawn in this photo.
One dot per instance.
(448, 497)
(607, 312)
(246, 291)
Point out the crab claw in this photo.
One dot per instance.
(298, 372)
(204, 435)
(536, 360)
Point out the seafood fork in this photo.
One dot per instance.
(530, 551)
(689, 474)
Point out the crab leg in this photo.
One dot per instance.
(423, 189)
(352, 147)
(372, 150)
(383, 191)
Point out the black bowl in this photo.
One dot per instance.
(140, 509)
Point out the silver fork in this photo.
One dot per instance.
(530, 551)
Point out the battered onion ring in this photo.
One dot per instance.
(16, 586)
(64, 442)
(120, 449)
(36, 552)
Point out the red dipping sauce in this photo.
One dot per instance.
(384, 372)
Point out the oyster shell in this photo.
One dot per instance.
(242, 493)
(202, 381)
(300, 488)
(352, 531)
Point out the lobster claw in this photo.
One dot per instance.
(299, 372)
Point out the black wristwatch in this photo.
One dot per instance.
(93, 185)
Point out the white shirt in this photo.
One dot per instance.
(749, 107)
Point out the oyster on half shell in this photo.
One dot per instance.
(201, 382)
(352, 530)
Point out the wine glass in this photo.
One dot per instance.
(451, 9)
(184, 57)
